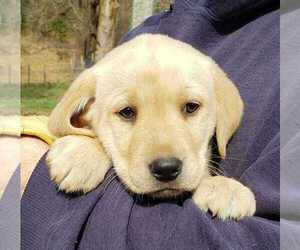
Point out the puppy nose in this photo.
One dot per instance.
(166, 169)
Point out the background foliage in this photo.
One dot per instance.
(60, 38)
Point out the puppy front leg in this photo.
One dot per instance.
(225, 198)
(77, 163)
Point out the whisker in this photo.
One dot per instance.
(228, 157)
(216, 170)
(216, 173)
(215, 162)
(110, 179)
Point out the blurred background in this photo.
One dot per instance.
(60, 38)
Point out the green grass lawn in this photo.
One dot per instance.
(41, 98)
(34, 99)
(9, 99)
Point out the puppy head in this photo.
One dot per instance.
(154, 103)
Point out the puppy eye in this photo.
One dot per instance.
(128, 113)
(191, 107)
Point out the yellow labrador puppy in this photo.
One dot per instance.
(150, 109)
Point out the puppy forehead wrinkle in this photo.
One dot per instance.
(149, 47)
(116, 98)
(121, 100)
(198, 92)
(150, 55)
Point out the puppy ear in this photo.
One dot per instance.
(72, 114)
(229, 108)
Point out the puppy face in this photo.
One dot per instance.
(158, 115)
(156, 108)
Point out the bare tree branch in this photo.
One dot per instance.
(106, 26)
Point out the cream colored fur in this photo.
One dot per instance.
(157, 76)
(77, 163)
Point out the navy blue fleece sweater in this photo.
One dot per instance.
(243, 37)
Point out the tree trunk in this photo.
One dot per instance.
(124, 19)
(90, 43)
(106, 26)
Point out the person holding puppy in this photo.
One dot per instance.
(110, 217)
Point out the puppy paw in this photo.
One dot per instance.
(77, 163)
(225, 198)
